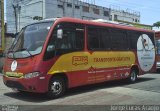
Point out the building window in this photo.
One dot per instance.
(136, 20)
(60, 6)
(96, 11)
(115, 17)
(77, 7)
(69, 5)
(110, 17)
(106, 13)
(85, 9)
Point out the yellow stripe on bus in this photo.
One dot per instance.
(79, 61)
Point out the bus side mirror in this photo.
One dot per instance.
(59, 33)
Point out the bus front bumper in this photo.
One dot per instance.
(158, 65)
(36, 84)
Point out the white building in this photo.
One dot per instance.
(128, 15)
(30, 10)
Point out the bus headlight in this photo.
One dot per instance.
(31, 75)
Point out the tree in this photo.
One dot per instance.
(37, 18)
(157, 24)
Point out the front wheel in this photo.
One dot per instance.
(133, 76)
(57, 87)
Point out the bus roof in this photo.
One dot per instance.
(112, 25)
(96, 23)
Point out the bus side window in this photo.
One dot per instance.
(93, 38)
(72, 40)
(158, 46)
(133, 39)
(98, 38)
(105, 39)
(119, 39)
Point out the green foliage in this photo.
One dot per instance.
(37, 18)
(157, 24)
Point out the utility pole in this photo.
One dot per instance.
(15, 15)
(16, 9)
(63, 9)
(73, 5)
(19, 13)
(2, 44)
(42, 8)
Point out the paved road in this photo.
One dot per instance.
(145, 92)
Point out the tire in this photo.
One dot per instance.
(133, 76)
(57, 87)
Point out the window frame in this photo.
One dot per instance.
(85, 9)
(106, 13)
(96, 11)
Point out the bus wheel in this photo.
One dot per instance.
(133, 76)
(57, 87)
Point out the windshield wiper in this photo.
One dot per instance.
(24, 49)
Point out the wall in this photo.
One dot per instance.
(60, 8)
(8, 43)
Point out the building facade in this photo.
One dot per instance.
(127, 15)
(29, 11)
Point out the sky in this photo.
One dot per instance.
(149, 9)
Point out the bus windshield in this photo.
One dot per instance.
(30, 40)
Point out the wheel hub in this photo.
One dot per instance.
(56, 87)
(133, 76)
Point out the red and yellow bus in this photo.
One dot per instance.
(157, 37)
(53, 55)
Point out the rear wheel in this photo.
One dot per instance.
(57, 87)
(133, 76)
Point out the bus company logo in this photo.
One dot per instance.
(14, 65)
(79, 60)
